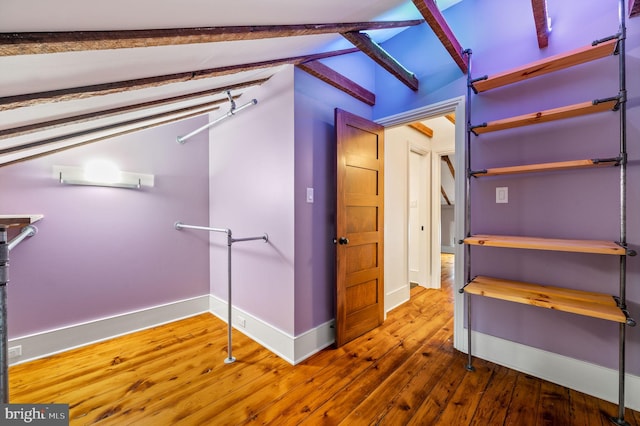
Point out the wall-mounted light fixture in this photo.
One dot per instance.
(101, 173)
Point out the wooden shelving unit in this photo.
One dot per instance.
(605, 306)
(548, 65)
(547, 167)
(548, 244)
(8, 220)
(591, 304)
(576, 110)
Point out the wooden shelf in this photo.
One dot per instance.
(548, 65)
(550, 244)
(546, 167)
(561, 113)
(596, 305)
(8, 220)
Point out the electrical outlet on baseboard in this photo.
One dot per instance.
(242, 322)
(15, 351)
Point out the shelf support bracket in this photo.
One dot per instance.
(629, 252)
(472, 128)
(617, 36)
(613, 98)
(475, 80)
(473, 173)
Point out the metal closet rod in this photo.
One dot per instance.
(230, 241)
(27, 231)
(232, 111)
(180, 225)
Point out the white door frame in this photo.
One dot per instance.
(424, 272)
(457, 106)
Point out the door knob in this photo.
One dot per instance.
(343, 240)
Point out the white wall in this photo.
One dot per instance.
(398, 142)
(396, 180)
(447, 229)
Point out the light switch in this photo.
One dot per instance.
(502, 195)
(309, 195)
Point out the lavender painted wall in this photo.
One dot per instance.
(261, 163)
(315, 167)
(573, 204)
(252, 192)
(103, 251)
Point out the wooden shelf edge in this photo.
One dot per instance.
(548, 244)
(570, 111)
(596, 305)
(8, 220)
(547, 167)
(548, 65)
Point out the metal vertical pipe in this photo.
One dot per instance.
(467, 226)
(4, 349)
(230, 359)
(467, 154)
(230, 241)
(623, 207)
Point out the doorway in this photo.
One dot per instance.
(457, 107)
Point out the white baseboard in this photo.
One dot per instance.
(582, 376)
(395, 298)
(292, 349)
(50, 342)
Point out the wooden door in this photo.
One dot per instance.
(359, 227)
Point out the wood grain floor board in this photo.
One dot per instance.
(404, 372)
(494, 403)
(525, 401)
(396, 400)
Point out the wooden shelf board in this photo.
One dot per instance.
(546, 167)
(19, 219)
(548, 65)
(550, 244)
(554, 114)
(597, 305)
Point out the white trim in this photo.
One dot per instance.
(292, 349)
(422, 113)
(592, 379)
(314, 340)
(425, 271)
(396, 297)
(62, 339)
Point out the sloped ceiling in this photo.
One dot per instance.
(57, 92)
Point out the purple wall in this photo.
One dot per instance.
(105, 251)
(261, 163)
(252, 192)
(315, 167)
(572, 204)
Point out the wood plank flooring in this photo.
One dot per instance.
(405, 372)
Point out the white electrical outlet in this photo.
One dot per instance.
(309, 195)
(502, 195)
(242, 322)
(15, 351)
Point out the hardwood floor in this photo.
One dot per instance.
(405, 372)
